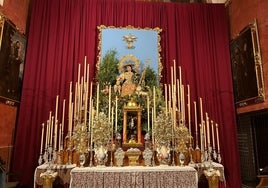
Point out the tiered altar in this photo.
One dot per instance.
(128, 129)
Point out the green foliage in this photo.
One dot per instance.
(108, 69)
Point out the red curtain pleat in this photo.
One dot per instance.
(63, 32)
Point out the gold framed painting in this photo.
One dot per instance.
(247, 67)
(129, 45)
(12, 56)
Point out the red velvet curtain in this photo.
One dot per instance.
(63, 32)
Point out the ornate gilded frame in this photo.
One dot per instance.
(12, 57)
(247, 67)
(127, 42)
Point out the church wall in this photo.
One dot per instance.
(16, 11)
(241, 13)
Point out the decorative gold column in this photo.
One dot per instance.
(212, 176)
(48, 178)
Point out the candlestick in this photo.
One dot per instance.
(42, 137)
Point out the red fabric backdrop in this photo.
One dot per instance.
(63, 32)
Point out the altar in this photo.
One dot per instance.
(135, 176)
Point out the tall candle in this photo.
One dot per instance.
(154, 98)
(47, 135)
(212, 131)
(189, 110)
(178, 95)
(60, 137)
(208, 131)
(42, 137)
(98, 96)
(201, 110)
(116, 106)
(169, 97)
(204, 132)
(112, 123)
(109, 105)
(78, 77)
(55, 134)
(175, 74)
(166, 99)
(195, 121)
(201, 137)
(63, 115)
(153, 128)
(172, 78)
(51, 130)
(148, 113)
(92, 120)
(217, 134)
(56, 110)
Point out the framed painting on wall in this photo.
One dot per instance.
(247, 67)
(140, 46)
(12, 57)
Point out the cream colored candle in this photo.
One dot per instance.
(60, 136)
(195, 116)
(201, 109)
(166, 103)
(175, 73)
(47, 135)
(189, 109)
(56, 110)
(78, 77)
(178, 95)
(112, 123)
(212, 131)
(116, 106)
(51, 131)
(169, 98)
(63, 115)
(148, 113)
(217, 134)
(154, 98)
(42, 137)
(56, 134)
(109, 104)
(205, 134)
(98, 96)
(208, 130)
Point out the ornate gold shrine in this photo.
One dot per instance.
(132, 125)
